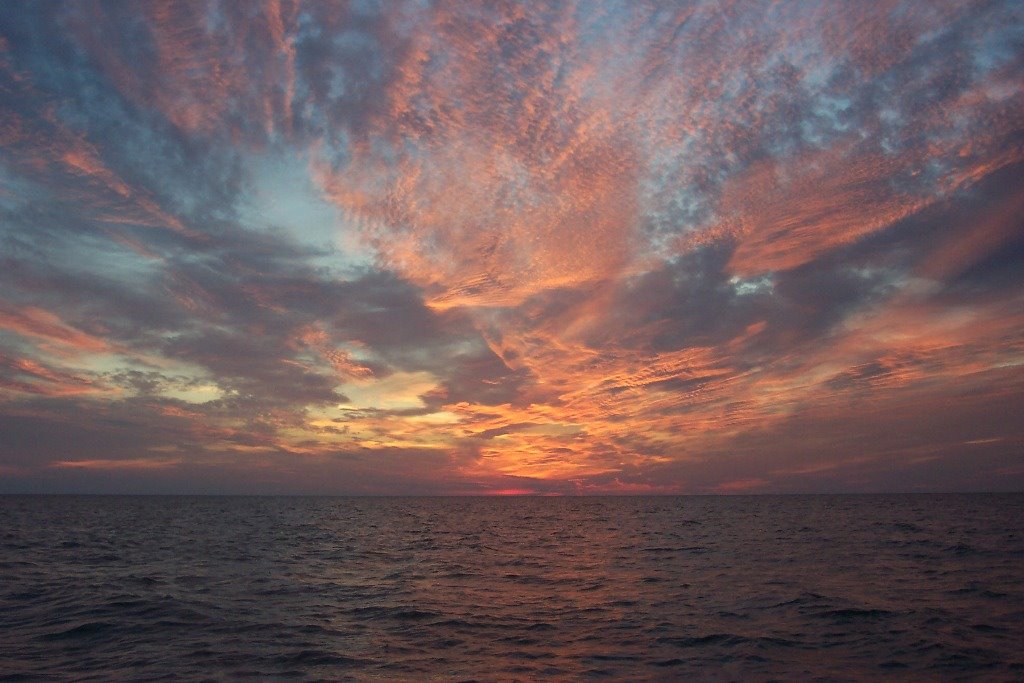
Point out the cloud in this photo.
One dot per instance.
(478, 247)
(46, 326)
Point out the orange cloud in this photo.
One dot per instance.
(129, 464)
(60, 338)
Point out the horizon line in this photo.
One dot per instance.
(502, 496)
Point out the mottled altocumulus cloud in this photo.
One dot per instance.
(463, 247)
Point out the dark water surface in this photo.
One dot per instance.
(924, 587)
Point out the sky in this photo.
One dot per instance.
(451, 248)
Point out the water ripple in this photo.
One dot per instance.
(802, 587)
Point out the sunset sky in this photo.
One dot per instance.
(468, 247)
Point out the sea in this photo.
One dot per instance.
(732, 588)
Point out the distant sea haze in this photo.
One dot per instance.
(912, 587)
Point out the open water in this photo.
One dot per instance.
(922, 587)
